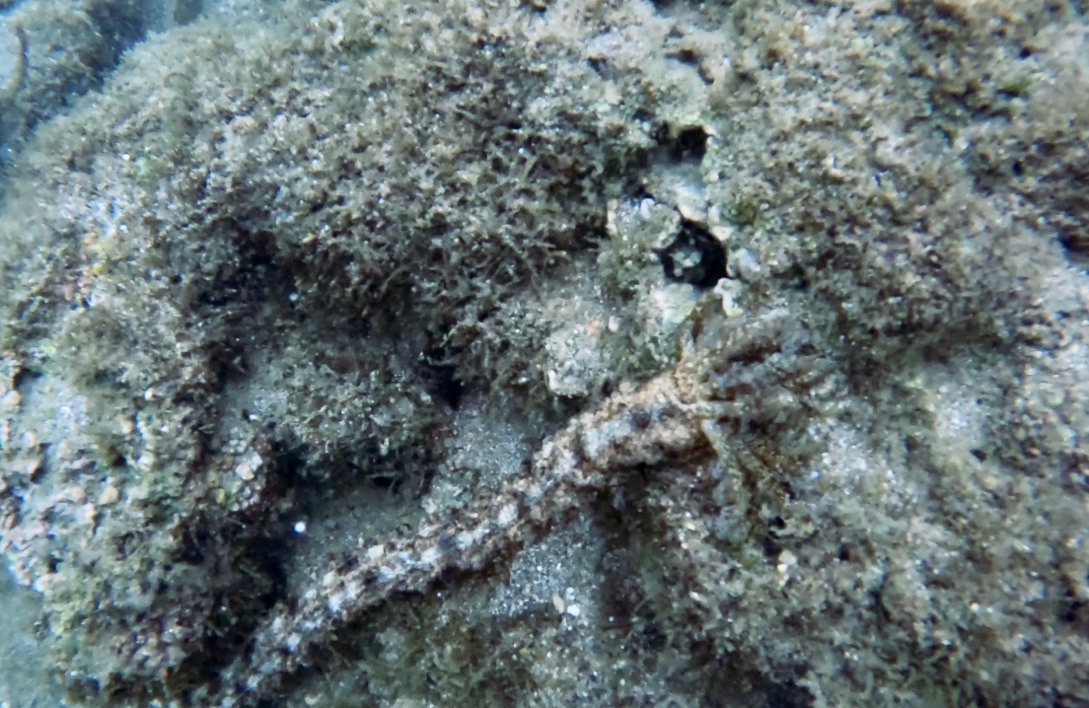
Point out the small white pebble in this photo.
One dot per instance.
(507, 514)
(299, 527)
(745, 265)
(109, 495)
(574, 610)
(786, 560)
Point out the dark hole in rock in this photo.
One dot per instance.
(689, 144)
(695, 257)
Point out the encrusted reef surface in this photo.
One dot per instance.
(557, 353)
(54, 51)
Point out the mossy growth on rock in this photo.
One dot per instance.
(269, 255)
(379, 244)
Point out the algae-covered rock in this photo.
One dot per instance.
(293, 290)
(256, 276)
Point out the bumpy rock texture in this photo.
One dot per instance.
(287, 302)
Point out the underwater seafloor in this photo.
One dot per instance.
(541, 353)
